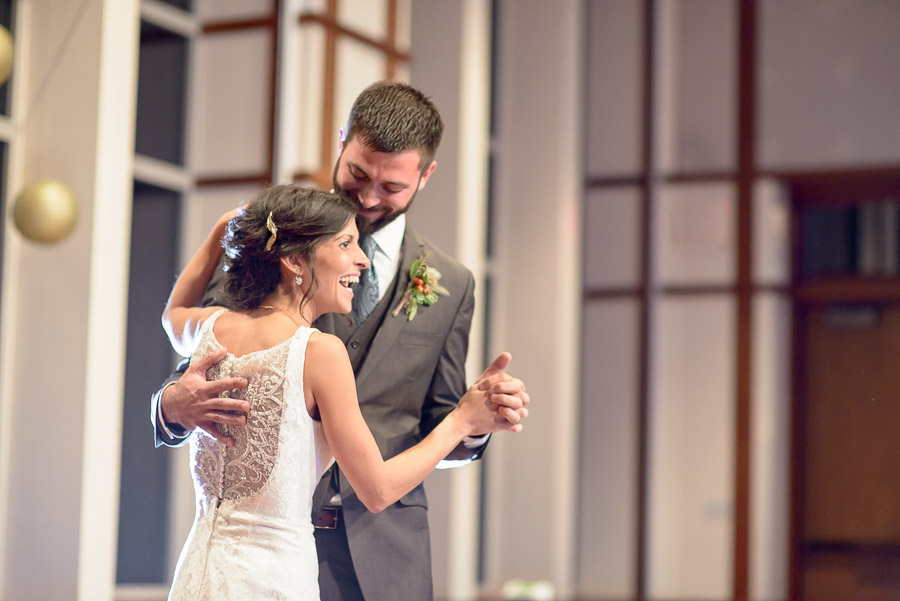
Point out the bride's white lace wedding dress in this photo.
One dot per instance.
(252, 536)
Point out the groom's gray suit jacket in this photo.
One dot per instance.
(409, 376)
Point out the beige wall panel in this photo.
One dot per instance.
(695, 234)
(691, 456)
(608, 503)
(703, 124)
(368, 17)
(310, 96)
(614, 88)
(358, 65)
(202, 207)
(313, 6)
(231, 105)
(770, 447)
(612, 239)
(771, 233)
(402, 72)
(403, 34)
(823, 93)
(222, 10)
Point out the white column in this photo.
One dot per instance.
(108, 298)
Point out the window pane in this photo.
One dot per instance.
(7, 19)
(367, 17)
(161, 95)
(697, 234)
(612, 238)
(859, 240)
(609, 446)
(230, 115)
(690, 520)
(182, 4)
(829, 235)
(703, 126)
(143, 513)
(614, 88)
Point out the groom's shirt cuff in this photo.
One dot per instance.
(172, 431)
(473, 442)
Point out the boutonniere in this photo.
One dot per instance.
(423, 288)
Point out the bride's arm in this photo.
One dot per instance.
(183, 313)
(378, 484)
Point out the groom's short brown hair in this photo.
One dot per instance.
(391, 116)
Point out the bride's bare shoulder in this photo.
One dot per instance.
(322, 345)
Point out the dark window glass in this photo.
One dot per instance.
(143, 512)
(7, 20)
(828, 240)
(162, 85)
(182, 4)
(860, 240)
(6, 13)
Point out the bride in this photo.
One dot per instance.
(291, 255)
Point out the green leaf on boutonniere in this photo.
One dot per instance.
(423, 288)
(414, 268)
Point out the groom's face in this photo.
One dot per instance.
(384, 183)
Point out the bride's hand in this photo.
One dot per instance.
(227, 216)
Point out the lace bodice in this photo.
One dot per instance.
(239, 471)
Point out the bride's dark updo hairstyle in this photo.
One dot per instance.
(303, 219)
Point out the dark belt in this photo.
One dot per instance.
(328, 518)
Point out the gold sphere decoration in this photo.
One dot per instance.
(45, 211)
(6, 54)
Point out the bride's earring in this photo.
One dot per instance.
(298, 280)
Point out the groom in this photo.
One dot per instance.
(409, 372)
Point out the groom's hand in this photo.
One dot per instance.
(507, 393)
(194, 402)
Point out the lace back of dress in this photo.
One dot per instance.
(243, 469)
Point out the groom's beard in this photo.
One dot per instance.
(365, 227)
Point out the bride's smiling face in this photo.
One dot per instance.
(338, 262)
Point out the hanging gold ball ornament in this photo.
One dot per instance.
(6, 54)
(45, 211)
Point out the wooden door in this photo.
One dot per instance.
(850, 475)
(845, 527)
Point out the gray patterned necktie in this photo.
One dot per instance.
(365, 296)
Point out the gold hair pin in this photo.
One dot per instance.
(270, 225)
